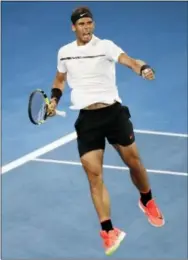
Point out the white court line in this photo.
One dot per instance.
(160, 133)
(64, 140)
(109, 167)
(47, 148)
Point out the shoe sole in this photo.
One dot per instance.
(114, 248)
(140, 206)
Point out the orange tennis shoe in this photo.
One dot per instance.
(153, 213)
(112, 240)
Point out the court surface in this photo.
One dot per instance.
(46, 205)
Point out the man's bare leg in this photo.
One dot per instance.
(131, 158)
(92, 163)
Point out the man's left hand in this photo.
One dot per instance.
(148, 74)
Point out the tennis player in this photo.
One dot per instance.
(88, 66)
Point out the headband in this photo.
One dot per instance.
(77, 16)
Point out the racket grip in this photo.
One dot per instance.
(60, 113)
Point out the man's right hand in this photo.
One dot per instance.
(51, 108)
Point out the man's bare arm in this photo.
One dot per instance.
(60, 80)
(57, 90)
(136, 65)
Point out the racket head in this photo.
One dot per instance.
(37, 107)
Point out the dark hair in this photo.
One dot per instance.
(80, 12)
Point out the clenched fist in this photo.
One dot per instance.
(148, 74)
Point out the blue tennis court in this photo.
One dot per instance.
(46, 205)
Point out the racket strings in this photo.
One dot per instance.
(42, 113)
(38, 107)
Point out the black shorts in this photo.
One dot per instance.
(112, 122)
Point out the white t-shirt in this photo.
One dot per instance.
(90, 71)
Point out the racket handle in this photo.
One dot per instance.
(60, 113)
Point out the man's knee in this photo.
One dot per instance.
(95, 179)
(131, 156)
(93, 170)
(134, 162)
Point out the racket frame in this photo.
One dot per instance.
(46, 101)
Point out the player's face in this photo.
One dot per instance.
(84, 28)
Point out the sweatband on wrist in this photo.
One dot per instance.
(56, 93)
(143, 68)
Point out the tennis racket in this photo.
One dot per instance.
(37, 107)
